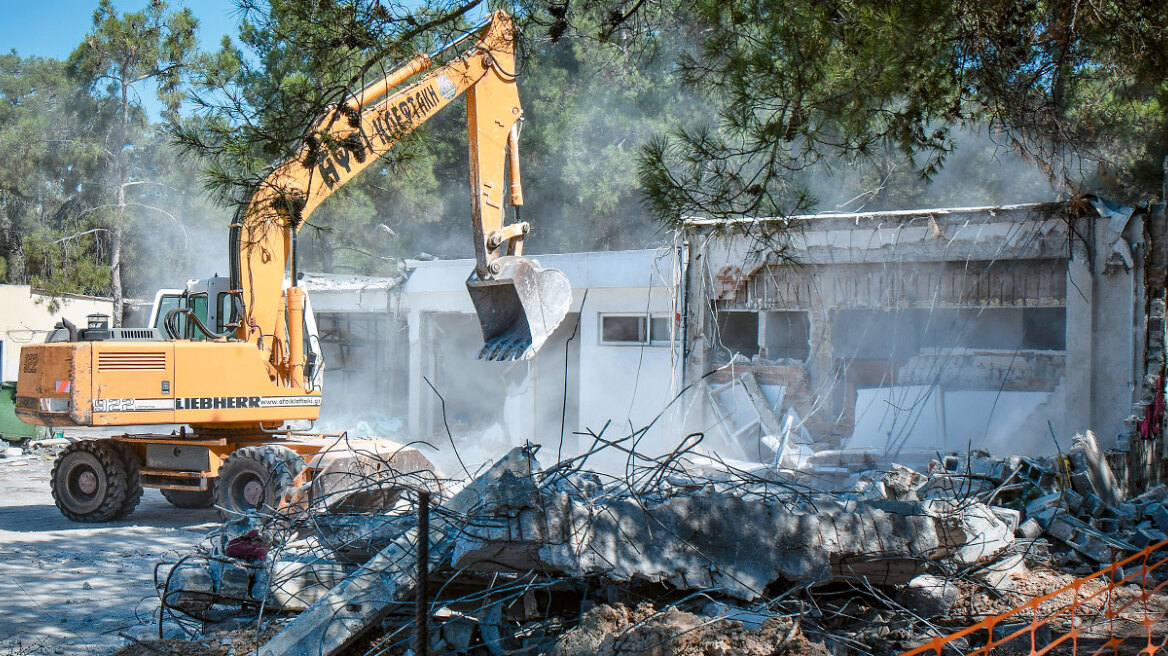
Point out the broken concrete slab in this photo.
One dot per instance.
(364, 597)
(297, 584)
(1001, 575)
(903, 484)
(1159, 514)
(1040, 504)
(1035, 552)
(1157, 493)
(1144, 536)
(1029, 529)
(1086, 457)
(190, 587)
(1012, 518)
(929, 596)
(971, 532)
(700, 540)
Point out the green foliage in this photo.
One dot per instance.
(803, 84)
(122, 51)
(119, 56)
(48, 168)
(588, 106)
(635, 110)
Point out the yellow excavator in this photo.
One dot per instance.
(232, 360)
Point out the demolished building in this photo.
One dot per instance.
(1005, 329)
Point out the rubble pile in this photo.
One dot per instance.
(686, 555)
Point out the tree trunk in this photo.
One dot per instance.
(120, 181)
(116, 275)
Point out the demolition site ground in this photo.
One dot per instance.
(684, 555)
(69, 588)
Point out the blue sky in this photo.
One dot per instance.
(52, 28)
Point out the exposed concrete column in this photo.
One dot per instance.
(830, 392)
(696, 349)
(1080, 331)
(1117, 351)
(1103, 323)
(1113, 353)
(416, 384)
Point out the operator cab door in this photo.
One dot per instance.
(209, 300)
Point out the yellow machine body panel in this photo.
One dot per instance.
(143, 383)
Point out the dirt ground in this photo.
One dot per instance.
(69, 588)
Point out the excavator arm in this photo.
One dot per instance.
(518, 303)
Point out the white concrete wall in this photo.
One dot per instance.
(627, 384)
(25, 318)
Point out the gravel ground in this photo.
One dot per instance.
(68, 588)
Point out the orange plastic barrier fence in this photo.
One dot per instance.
(1120, 609)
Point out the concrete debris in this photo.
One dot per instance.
(903, 483)
(1001, 574)
(50, 443)
(1030, 528)
(612, 630)
(929, 596)
(1089, 461)
(687, 551)
(296, 584)
(969, 532)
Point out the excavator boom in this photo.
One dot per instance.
(518, 303)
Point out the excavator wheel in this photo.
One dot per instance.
(190, 498)
(90, 483)
(255, 477)
(133, 477)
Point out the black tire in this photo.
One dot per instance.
(133, 478)
(191, 498)
(89, 482)
(255, 477)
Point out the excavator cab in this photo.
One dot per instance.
(178, 313)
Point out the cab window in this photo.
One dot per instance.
(165, 304)
(198, 305)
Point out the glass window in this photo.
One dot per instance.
(622, 330)
(165, 305)
(198, 305)
(224, 317)
(659, 330)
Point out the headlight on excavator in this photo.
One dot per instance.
(56, 404)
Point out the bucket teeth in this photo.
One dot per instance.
(505, 350)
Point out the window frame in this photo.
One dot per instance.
(645, 329)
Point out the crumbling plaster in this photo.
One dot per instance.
(1026, 256)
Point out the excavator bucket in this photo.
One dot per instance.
(519, 307)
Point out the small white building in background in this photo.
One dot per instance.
(26, 316)
(611, 361)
